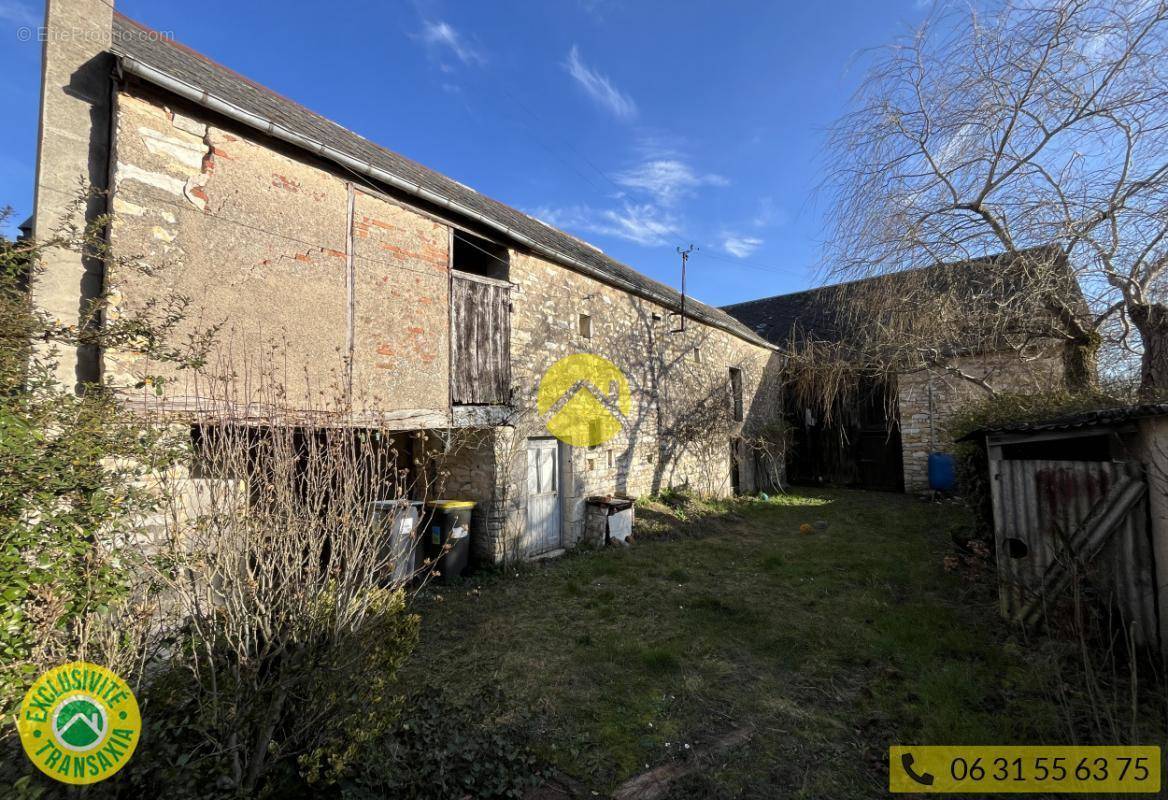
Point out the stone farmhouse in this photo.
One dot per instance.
(1002, 338)
(391, 294)
(386, 294)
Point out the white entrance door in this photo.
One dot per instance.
(543, 496)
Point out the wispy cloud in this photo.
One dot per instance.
(594, 7)
(649, 209)
(740, 246)
(599, 87)
(957, 147)
(641, 223)
(769, 214)
(19, 13)
(667, 180)
(440, 37)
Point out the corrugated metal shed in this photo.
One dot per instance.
(1060, 520)
(1068, 510)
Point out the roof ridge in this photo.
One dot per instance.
(985, 259)
(572, 251)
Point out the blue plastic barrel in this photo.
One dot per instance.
(942, 472)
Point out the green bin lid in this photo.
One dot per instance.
(449, 505)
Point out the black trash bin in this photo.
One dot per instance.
(448, 536)
(402, 548)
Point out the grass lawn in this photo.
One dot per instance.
(828, 645)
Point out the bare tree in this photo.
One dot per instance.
(1036, 130)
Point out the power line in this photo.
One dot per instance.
(515, 99)
(362, 178)
(518, 102)
(738, 262)
(397, 265)
(558, 157)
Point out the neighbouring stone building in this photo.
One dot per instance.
(884, 429)
(928, 398)
(355, 283)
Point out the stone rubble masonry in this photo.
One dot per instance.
(669, 387)
(679, 430)
(923, 422)
(328, 293)
(259, 239)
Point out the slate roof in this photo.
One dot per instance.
(826, 314)
(189, 67)
(811, 314)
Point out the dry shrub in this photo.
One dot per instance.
(281, 601)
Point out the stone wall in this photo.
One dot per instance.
(324, 292)
(928, 399)
(680, 427)
(469, 472)
(72, 144)
(344, 293)
(673, 390)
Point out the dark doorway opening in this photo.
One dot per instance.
(859, 447)
(735, 466)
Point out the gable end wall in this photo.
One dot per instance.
(928, 399)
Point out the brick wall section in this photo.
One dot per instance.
(401, 293)
(923, 425)
(260, 242)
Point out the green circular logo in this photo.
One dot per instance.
(79, 723)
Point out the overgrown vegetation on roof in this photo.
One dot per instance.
(973, 471)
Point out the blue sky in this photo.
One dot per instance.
(639, 126)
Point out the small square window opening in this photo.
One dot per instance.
(479, 256)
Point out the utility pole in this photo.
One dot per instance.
(684, 258)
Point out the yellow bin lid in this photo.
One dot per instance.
(448, 505)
